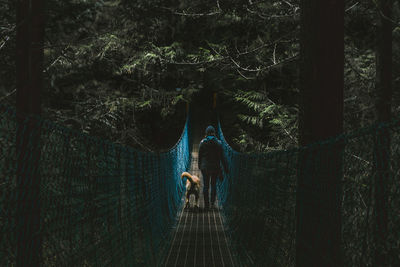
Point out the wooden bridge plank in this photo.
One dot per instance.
(199, 238)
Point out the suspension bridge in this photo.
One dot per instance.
(90, 202)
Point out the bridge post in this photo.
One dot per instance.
(382, 139)
(29, 67)
(318, 208)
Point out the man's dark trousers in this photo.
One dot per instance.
(209, 176)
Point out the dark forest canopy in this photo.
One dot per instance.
(112, 65)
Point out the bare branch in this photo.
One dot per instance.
(219, 7)
(244, 76)
(9, 94)
(184, 13)
(266, 67)
(353, 6)
(62, 55)
(272, 16)
(274, 55)
(3, 43)
(194, 63)
(279, 40)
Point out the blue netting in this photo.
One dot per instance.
(90, 202)
(258, 197)
(96, 203)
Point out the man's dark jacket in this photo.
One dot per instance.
(211, 155)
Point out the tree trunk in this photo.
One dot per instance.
(29, 64)
(318, 213)
(382, 141)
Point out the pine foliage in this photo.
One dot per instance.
(274, 126)
(153, 56)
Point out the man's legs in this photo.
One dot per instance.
(206, 183)
(213, 188)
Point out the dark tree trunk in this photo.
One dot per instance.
(382, 141)
(318, 213)
(29, 62)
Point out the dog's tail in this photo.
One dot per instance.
(188, 176)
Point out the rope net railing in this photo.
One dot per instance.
(258, 197)
(86, 201)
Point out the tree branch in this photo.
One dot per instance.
(184, 13)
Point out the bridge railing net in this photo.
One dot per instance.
(100, 204)
(258, 196)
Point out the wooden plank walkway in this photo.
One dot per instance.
(199, 238)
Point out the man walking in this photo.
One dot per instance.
(211, 156)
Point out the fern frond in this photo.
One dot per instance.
(255, 106)
(253, 120)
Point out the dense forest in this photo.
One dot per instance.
(313, 83)
(111, 65)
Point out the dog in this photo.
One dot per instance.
(192, 187)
